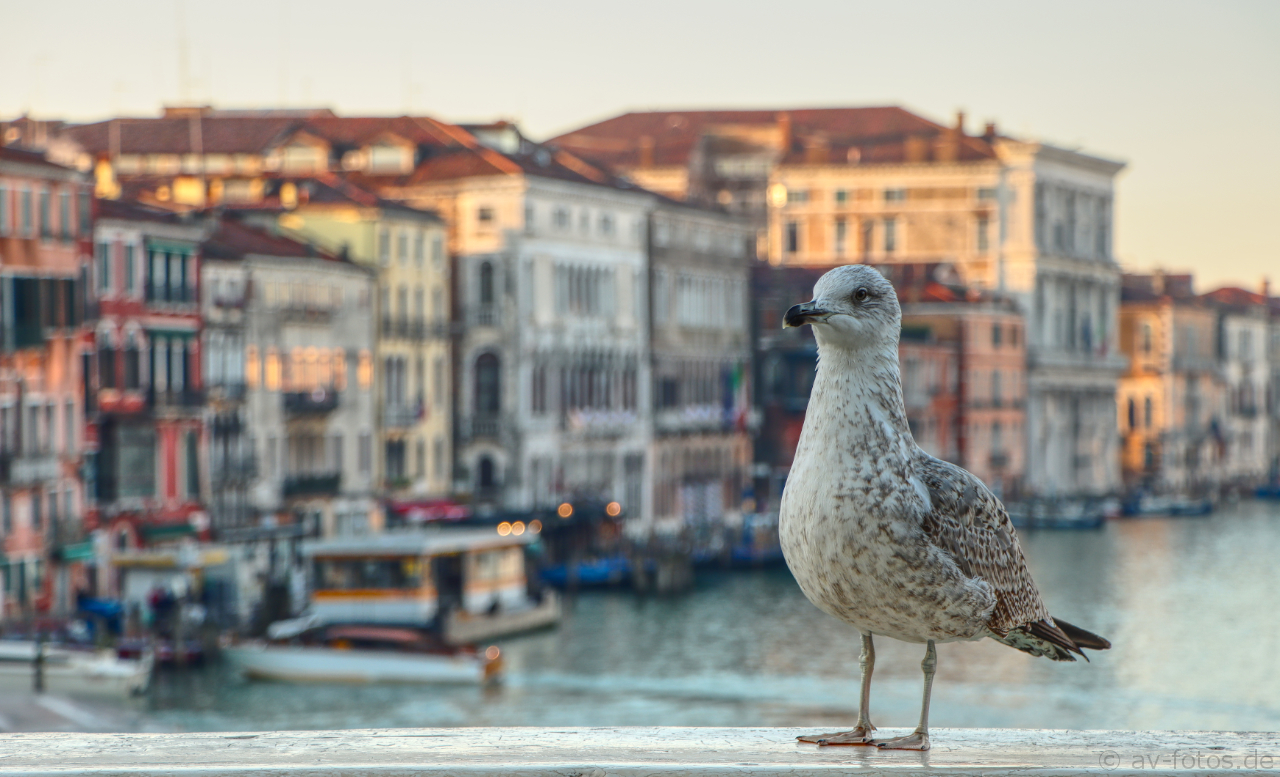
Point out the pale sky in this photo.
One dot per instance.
(1188, 94)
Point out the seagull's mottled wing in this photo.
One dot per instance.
(969, 523)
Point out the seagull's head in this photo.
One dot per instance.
(854, 307)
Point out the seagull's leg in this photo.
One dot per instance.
(861, 734)
(918, 739)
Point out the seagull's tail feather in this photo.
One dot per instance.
(1054, 639)
(1082, 638)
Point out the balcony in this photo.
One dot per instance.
(170, 295)
(235, 470)
(29, 469)
(311, 484)
(417, 329)
(485, 315)
(401, 416)
(484, 427)
(182, 398)
(316, 402)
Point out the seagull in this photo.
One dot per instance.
(884, 536)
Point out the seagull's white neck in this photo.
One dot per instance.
(857, 400)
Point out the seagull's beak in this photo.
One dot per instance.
(804, 313)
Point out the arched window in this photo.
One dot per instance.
(486, 283)
(488, 398)
(487, 477)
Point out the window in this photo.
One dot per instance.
(984, 234)
(1146, 412)
(4, 211)
(793, 237)
(1146, 338)
(538, 390)
(129, 271)
(104, 267)
(487, 385)
(606, 225)
(46, 217)
(987, 193)
(842, 236)
(193, 465)
(384, 246)
(484, 215)
(996, 398)
(561, 218)
(365, 453)
(996, 332)
(421, 450)
(69, 427)
(797, 196)
(895, 195)
(419, 248)
(106, 365)
(86, 213)
(37, 521)
(24, 214)
(437, 251)
(132, 364)
(64, 216)
(402, 247)
(841, 196)
(437, 456)
(486, 283)
(890, 235)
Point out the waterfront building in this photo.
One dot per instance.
(1242, 339)
(1273, 389)
(550, 293)
(969, 356)
(881, 185)
(294, 326)
(1170, 399)
(145, 382)
(699, 271)
(406, 248)
(963, 361)
(46, 234)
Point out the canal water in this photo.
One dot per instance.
(1190, 605)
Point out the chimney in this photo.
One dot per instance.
(784, 131)
(815, 149)
(960, 123)
(989, 132)
(646, 151)
(916, 148)
(1157, 282)
(1266, 287)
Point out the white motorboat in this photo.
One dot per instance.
(364, 654)
(72, 671)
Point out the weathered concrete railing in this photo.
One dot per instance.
(631, 752)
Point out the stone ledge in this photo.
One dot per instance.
(632, 752)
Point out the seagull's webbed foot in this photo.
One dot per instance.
(861, 735)
(916, 740)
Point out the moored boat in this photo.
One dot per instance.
(72, 671)
(364, 654)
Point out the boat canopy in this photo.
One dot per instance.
(399, 544)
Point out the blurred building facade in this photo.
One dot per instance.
(145, 381)
(882, 185)
(46, 238)
(699, 271)
(1196, 404)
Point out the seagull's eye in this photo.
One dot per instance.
(860, 295)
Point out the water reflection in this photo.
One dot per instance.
(1188, 604)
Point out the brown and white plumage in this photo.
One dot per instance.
(884, 536)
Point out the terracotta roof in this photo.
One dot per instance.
(233, 239)
(211, 134)
(878, 133)
(1235, 297)
(24, 157)
(327, 189)
(132, 210)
